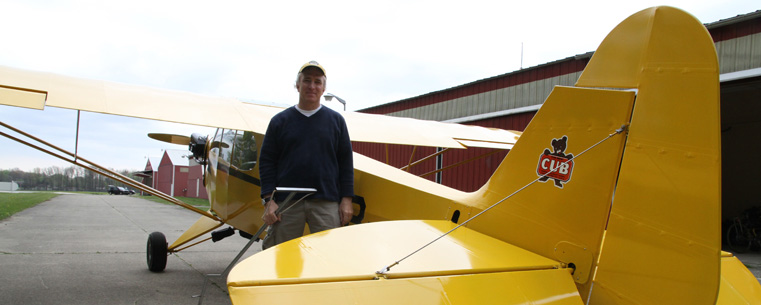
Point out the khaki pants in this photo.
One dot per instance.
(319, 214)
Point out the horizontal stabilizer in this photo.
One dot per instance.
(350, 256)
(738, 285)
(553, 287)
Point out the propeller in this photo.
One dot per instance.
(170, 138)
(196, 143)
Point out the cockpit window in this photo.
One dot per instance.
(226, 144)
(244, 151)
(214, 151)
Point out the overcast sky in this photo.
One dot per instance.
(374, 52)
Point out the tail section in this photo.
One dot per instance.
(663, 238)
(644, 204)
(568, 160)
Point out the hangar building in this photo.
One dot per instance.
(510, 100)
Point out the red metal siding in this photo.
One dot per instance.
(164, 173)
(399, 156)
(168, 173)
(467, 177)
(195, 183)
(471, 176)
(736, 30)
(181, 181)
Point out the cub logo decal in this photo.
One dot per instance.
(556, 164)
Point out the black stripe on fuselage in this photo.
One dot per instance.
(231, 171)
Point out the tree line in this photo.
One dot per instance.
(55, 178)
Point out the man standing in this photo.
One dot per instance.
(307, 145)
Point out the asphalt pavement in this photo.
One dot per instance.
(90, 249)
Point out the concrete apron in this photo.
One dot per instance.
(90, 249)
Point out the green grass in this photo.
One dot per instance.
(196, 202)
(74, 192)
(12, 203)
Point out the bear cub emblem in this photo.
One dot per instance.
(556, 164)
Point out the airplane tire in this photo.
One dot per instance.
(156, 252)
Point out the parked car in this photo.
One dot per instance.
(113, 190)
(119, 190)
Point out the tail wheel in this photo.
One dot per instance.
(156, 252)
(738, 238)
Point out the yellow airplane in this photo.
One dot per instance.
(229, 156)
(610, 196)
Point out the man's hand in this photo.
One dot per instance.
(346, 210)
(269, 216)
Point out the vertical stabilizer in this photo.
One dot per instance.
(563, 215)
(653, 192)
(662, 243)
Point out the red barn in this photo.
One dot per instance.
(175, 175)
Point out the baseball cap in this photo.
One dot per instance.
(313, 64)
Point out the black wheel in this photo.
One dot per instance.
(156, 251)
(738, 238)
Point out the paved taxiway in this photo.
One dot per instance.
(90, 249)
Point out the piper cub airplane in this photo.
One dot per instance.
(610, 196)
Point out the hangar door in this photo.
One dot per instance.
(740, 143)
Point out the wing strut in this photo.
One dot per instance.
(424, 159)
(286, 205)
(460, 163)
(412, 157)
(76, 139)
(98, 169)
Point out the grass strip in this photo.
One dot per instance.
(196, 202)
(12, 203)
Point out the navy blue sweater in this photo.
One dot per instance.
(301, 151)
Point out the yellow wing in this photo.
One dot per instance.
(37, 89)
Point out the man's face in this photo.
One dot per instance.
(311, 86)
